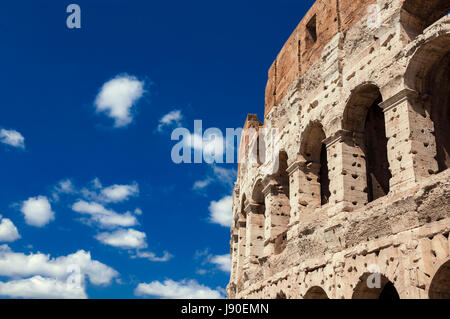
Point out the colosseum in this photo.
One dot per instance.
(359, 203)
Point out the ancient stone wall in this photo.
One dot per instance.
(359, 97)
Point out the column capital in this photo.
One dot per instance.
(398, 98)
(254, 208)
(342, 136)
(295, 166)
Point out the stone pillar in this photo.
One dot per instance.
(277, 211)
(255, 233)
(304, 192)
(241, 232)
(411, 143)
(234, 244)
(347, 171)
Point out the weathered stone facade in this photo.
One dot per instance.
(360, 94)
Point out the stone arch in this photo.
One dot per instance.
(314, 152)
(315, 292)
(440, 284)
(417, 15)
(428, 74)
(281, 295)
(364, 121)
(375, 286)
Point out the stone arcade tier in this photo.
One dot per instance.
(360, 204)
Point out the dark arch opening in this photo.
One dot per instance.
(368, 288)
(315, 293)
(284, 209)
(377, 165)
(315, 152)
(440, 285)
(439, 81)
(364, 117)
(281, 295)
(417, 15)
(323, 177)
(429, 74)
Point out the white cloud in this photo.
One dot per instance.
(152, 256)
(18, 265)
(123, 238)
(119, 193)
(211, 146)
(222, 261)
(202, 184)
(8, 231)
(170, 119)
(185, 289)
(38, 211)
(117, 97)
(12, 138)
(225, 175)
(104, 217)
(221, 211)
(38, 287)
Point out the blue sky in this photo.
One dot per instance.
(85, 141)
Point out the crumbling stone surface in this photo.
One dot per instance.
(353, 211)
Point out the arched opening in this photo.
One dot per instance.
(440, 285)
(314, 151)
(283, 209)
(364, 117)
(417, 15)
(429, 74)
(281, 295)
(315, 293)
(256, 223)
(375, 286)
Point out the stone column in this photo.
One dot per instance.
(411, 143)
(277, 210)
(241, 232)
(255, 232)
(304, 192)
(347, 171)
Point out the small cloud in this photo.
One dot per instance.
(221, 211)
(119, 193)
(170, 119)
(124, 238)
(185, 289)
(118, 96)
(222, 261)
(8, 231)
(202, 184)
(12, 138)
(37, 211)
(104, 217)
(152, 256)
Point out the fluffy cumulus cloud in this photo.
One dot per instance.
(221, 211)
(38, 287)
(37, 211)
(123, 238)
(223, 262)
(37, 275)
(12, 138)
(185, 289)
(104, 217)
(119, 193)
(117, 97)
(8, 231)
(171, 119)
